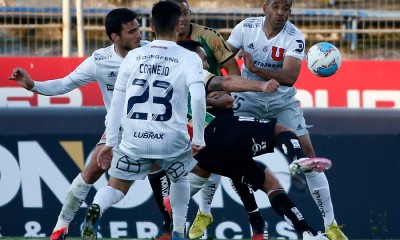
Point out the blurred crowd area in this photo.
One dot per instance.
(361, 29)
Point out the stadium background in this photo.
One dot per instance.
(44, 141)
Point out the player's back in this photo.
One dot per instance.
(156, 98)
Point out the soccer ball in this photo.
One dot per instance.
(323, 59)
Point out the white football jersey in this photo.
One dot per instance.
(268, 54)
(156, 79)
(102, 66)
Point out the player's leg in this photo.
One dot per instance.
(257, 222)
(177, 169)
(318, 186)
(160, 184)
(121, 178)
(204, 217)
(104, 199)
(280, 201)
(76, 194)
(317, 182)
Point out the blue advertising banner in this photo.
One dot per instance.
(42, 151)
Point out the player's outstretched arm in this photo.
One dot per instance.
(286, 76)
(233, 83)
(22, 77)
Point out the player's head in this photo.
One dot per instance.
(277, 13)
(184, 21)
(197, 47)
(165, 18)
(122, 28)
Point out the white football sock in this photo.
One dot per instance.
(76, 194)
(179, 199)
(106, 197)
(319, 189)
(196, 183)
(207, 193)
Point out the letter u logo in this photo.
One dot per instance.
(277, 54)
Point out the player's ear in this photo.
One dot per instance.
(152, 26)
(265, 6)
(114, 37)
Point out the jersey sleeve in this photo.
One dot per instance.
(236, 37)
(296, 47)
(123, 74)
(207, 76)
(195, 82)
(83, 74)
(218, 46)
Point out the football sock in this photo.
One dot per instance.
(76, 194)
(246, 194)
(160, 184)
(207, 193)
(256, 221)
(179, 199)
(288, 143)
(285, 208)
(319, 189)
(106, 197)
(196, 183)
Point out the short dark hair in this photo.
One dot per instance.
(190, 45)
(268, 2)
(165, 16)
(178, 1)
(116, 17)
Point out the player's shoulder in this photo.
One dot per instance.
(291, 29)
(204, 31)
(144, 42)
(102, 53)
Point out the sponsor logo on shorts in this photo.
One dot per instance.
(257, 147)
(112, 75)
(110, 87)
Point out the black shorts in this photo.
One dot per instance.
(231, 144)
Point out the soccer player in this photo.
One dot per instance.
(273, 48)
(218, 56)
(150, 100)
(122, 28)
(238, 148)
(233, 141)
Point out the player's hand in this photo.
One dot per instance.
(105, 157)
(220, 99)
(248, 60)
(22, 77)
(196, 149)
(270, 86)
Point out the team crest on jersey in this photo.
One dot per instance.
(265, 49)
(277, 53)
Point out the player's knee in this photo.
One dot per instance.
(279, 128)
(200, 172)
(270, 182)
